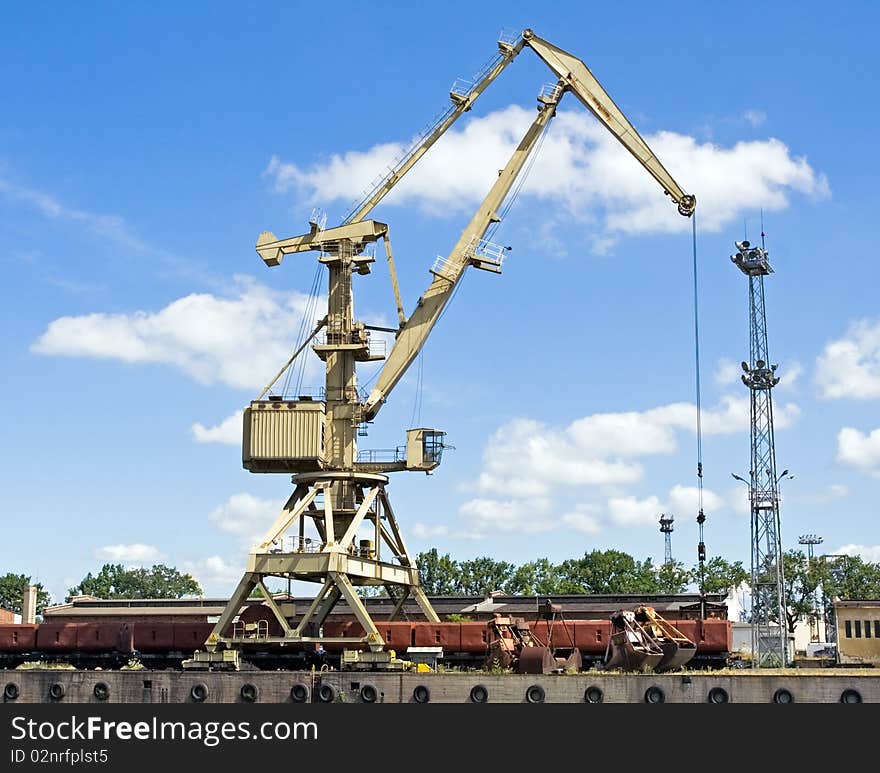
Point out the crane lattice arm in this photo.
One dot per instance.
(447, 273)
(462, 100)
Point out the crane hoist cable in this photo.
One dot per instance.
(305, 321)
(490, 232)
(701, 516)
(417, 402)
(519, 183)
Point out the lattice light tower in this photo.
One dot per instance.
(811, 540)
(769, 637)
(666, 529)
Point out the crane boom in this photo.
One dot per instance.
(415, 331)
(583, 84)
(461, 103)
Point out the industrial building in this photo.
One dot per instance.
(858, 632)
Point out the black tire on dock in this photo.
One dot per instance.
(249, 692)
(850, 696)
(479, 694)
(326, 692)
(101, 691)
(199, 692)
(11, 691)
(535, 694)
(299, 693)
(369, 693)
(655, 694)
(594, 694)
(783, 696)
(56, 691)
(421, 694)
(718, 695)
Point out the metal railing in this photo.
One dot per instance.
(483, 248)
(380, 455)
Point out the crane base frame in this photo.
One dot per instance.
(335, 562)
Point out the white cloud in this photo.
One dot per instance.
(685, 499)
(754, 117)
(727, 372)
(838, 491)
(551, 457)
(215, 574)
(246, 516)
(869, 553)
(789, 374)
(425, 531)
(730, 416)
(491, 516)
(583, 519)
(227, 431)
(629, 511)
(598, 449)
(850, 366)
(129, 554)
(823, 496)
(110, 227)
(624, 434)
(211, 339)
(859, 450)
(738, 499)
(578, 159)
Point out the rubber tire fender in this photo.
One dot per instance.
(421, 694)
(299, 693)
(479, 694)
(535, 694)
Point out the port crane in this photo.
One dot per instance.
(339, 493)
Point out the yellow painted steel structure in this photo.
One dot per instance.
(337, 495)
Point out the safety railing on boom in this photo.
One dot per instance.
(550, 92)
(485, 251)
(461, 89)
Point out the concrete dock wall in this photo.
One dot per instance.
(58, 686)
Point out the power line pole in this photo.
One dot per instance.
(769, 638)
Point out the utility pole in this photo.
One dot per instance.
(769, 640)
(666, 529)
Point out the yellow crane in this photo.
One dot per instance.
(338, 498)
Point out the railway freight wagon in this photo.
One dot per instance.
(464, 644)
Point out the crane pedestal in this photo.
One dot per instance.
(339, 505)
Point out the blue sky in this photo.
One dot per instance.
(143, 149)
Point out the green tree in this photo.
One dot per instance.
(483, 575)
(438, 575)
(847, 578)
(535, 578)
(607, 571)
(721, 575)
(114, 581)
(802, 580)
(851, 577)
(672, 578)
(12, 591)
